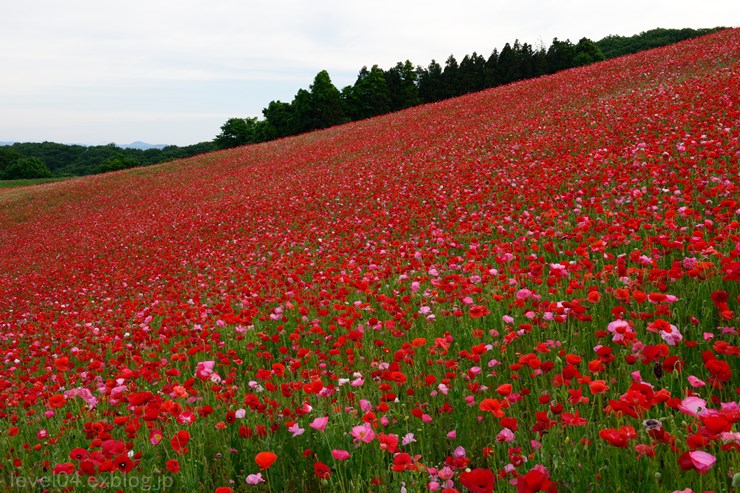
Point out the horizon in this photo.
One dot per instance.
(75, 78)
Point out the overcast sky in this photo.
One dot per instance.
(166, 72)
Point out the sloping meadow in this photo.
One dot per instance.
(531, 288)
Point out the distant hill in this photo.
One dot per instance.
(141, 145)
(80, 160)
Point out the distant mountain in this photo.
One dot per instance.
(142, 145)
(6, 143)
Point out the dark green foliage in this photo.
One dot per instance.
(560, 55)
(586, 53)
(430, 83)
(7, 156)
(472, 74)
(24, 167)
(58, 157)
(369, 96)
(402, 86)
(325, 103)
(525, 56)
(318, 108)
(539, 63)
(237, 132)
(450, 75)
(171, 153)
(491, 77)
(278, 120)
(301, 116)
(118, 162)
(613, 46)
(76, 160)
(508, 68)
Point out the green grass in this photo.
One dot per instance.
(28, 182)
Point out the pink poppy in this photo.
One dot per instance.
(340, 454)
(363, 433)
(693, 406)
(319, 423)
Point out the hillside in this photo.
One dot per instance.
(375, 92)
(486, 273)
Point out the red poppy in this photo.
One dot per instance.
(494, 406)
(78, 454)
(322, 470)
(535, 480)
(179, 441)
(618, 438)
(113, 448)
(593, 297)
(265, 459)
(598, 387)
(719, 296)
(478, 311)
(66, 468)
(720, 370)
(62, 364)
(716, 424)
(478, 480)
(173, 466)
(504, 389)
(643, 449)
(57, 401)
(123, 463)
(389, 443)
(403, 462)
(88, 468)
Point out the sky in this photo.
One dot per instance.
(166, 72)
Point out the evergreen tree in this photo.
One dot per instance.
(402, 87)
(560, 55)
(450, 74)
(302, 116)
(614, 46)
(525, 54)
(278, 120)
(430, 83)
(237, 132)
(326, 102)
(369, 96)
(539, 63)
(491, 72)
(472, 73)
(508, 64)
(586, 52)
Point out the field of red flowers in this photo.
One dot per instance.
(531, 288)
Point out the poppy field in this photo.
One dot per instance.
(530, 288)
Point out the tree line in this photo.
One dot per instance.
(47, 159)
(376, 91)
